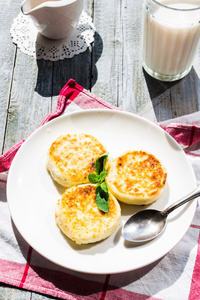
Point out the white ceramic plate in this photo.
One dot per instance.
(32, 194)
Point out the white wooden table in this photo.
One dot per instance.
(111, 68)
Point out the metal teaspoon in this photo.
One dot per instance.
(147, 224)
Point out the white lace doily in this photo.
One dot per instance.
(29, 41)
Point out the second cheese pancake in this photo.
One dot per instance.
(80, 219)
(136, 177)
(71, 158)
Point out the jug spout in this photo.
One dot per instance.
(28, 6)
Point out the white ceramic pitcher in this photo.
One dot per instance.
(55, 19)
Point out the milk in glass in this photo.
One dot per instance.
(171, 33)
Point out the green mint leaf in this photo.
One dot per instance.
(93, 178)
(102, 204)
(102, 199)
(103, 175)
(100, 163)
(104, 187)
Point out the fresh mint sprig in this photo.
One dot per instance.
(102, 195)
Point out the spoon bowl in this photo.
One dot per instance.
(147, 224)
(144, 225)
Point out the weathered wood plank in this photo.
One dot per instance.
(77, 67)
(7, 57)
(184, 95)
(10, 293)
(36, 296)
(120, 75)
(27, 107)
(107, 49)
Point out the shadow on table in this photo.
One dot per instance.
(52, 76)
(165, 95)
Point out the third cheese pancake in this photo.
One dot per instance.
(80, 219)
(71, 158)
(136, 177)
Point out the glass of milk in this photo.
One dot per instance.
(171, 34)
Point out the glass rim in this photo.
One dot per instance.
(174, 8)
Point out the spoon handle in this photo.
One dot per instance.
(180, 202)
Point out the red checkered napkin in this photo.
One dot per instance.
(176, 276)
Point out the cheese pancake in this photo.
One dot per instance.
(71, 158)
(136, 177)
(79, 218)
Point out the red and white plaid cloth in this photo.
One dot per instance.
(175, 276)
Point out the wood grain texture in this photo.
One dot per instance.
(120, 63)
(11, 293)
(7, 61)
(27, 108)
